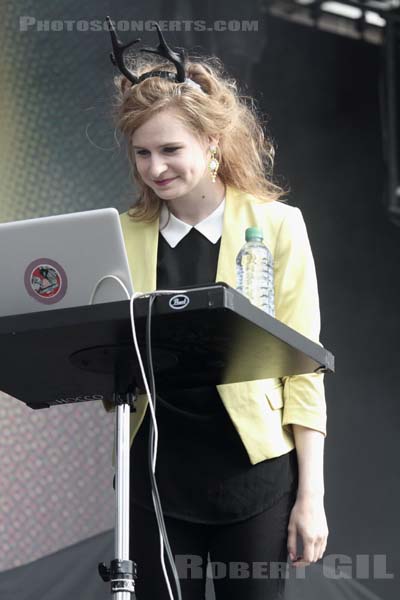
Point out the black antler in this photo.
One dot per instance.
(117, 57)
(165, 51)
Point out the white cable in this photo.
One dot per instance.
(153, 416)
(148, 393)
(96, 287)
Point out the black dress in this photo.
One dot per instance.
(203, 471)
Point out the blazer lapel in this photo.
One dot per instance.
(141, 241)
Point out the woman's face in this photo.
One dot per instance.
(169, 158)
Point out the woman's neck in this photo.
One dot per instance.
(198, 205)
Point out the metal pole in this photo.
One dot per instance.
(122, 456)
(122, 571)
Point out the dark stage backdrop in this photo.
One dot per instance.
(59, 153)
(322, 93)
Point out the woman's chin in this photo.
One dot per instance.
(171, 191)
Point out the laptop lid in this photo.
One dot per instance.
(55, 262)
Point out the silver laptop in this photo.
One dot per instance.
(55, 262)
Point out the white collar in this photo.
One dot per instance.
(176, 230)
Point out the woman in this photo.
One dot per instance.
(240, 466)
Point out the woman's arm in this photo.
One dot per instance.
(304, 413)
(297, 305)
(310, 457)
(308, 518)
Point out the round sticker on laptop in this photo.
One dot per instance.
(45, 280)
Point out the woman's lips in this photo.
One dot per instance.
(164, 181)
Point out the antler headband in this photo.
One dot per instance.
(176, 57)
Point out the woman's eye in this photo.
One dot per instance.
(169, 150)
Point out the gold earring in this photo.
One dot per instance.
(213, 164)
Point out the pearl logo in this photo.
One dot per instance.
(178, 302)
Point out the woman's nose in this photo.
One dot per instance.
(157, 167)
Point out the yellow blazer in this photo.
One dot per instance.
(261, 411)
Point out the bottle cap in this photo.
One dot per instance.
(254, 234)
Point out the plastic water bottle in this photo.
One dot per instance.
(255, 271)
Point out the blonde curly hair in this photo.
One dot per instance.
(246, 155)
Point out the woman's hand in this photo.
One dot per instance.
(308, 521)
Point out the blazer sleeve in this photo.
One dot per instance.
(297, 305)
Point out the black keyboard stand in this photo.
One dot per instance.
(207, 335)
